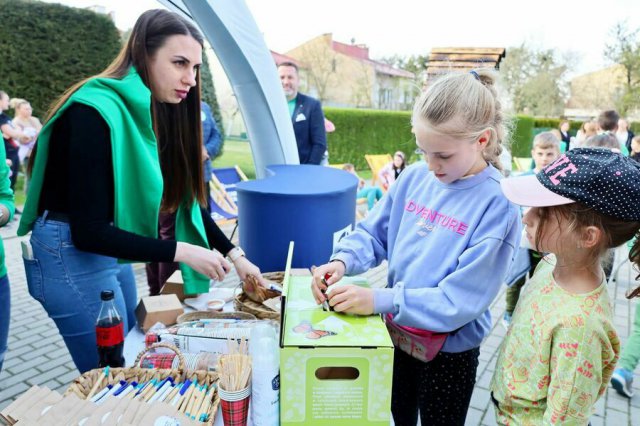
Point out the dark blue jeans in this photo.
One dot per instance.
(67, 282)
(5, 317)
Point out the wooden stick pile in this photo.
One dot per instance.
(235, 367)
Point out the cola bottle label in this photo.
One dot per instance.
(110, 336)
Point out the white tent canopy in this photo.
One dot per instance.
(240, 47)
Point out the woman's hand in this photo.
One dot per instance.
(203, 260)
(336, 271)
(352, 299)
(244, 267)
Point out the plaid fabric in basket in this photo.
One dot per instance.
(164, 361)
(150, 339)
(235, 413)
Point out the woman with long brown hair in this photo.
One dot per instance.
(118, 149)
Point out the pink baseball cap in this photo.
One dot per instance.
(596, 177)
(529, 192)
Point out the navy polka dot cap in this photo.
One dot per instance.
(596, 177)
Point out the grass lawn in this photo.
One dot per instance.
(233, 153)
(239, 153)
(19, 195)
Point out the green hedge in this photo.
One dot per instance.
(208, 92)
(48, 47)
(527, 127)
(554, 123)
(522, 136)
(360, 131)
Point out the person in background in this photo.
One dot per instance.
(624, 134)
(390, 172)
(565, 137)
(588, 128)
(329, 127)
(603, 140)
(306, 116)
(546, 149)
(558, 135)
(28, 124)
(622, 377)
(561, 348)
(13, 137)
(634, 150)
(7, 209)
(373, 194)
(94, 200)
(211, 143)
(449, 235)
(608, 123)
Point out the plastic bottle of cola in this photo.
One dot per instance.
(109, 332)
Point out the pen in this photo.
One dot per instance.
(127, 390)
(178, 398)
(144, 387)
(95, 387)
(325, 304)
(100, 394)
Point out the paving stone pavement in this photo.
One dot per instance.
(37, 354)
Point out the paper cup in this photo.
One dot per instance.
(234, 395)
(215, 305)
(235, 406)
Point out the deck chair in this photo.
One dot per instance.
(223, 200)
(223, 209)
(377, 162)
(225, 180)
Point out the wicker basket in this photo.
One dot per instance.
(198, 315)
(244, 304)
(83, 385)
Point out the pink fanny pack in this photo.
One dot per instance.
(423, 345)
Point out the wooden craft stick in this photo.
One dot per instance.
(186, 397)
(95, 387)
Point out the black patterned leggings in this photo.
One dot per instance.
(440, 389)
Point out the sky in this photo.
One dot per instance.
(407, 27)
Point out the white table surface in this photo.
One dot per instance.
(134, 343)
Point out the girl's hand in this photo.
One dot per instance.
(244, 267)
(205, 261)
(352, 299)
(336, 271)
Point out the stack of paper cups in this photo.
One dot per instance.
(235, 406)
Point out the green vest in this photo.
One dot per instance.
(125, 105)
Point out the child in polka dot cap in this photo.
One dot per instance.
(561, 349)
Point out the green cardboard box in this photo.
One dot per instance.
(334, 369)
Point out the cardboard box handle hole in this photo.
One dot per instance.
(337, 373)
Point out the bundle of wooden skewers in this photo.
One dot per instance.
(234, 368)
(193, 393)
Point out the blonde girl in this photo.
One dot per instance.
(449, 235)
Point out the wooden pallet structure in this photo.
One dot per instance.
(443, 60)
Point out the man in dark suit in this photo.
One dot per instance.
(307, 117)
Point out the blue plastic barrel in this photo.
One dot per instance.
(310, 205)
